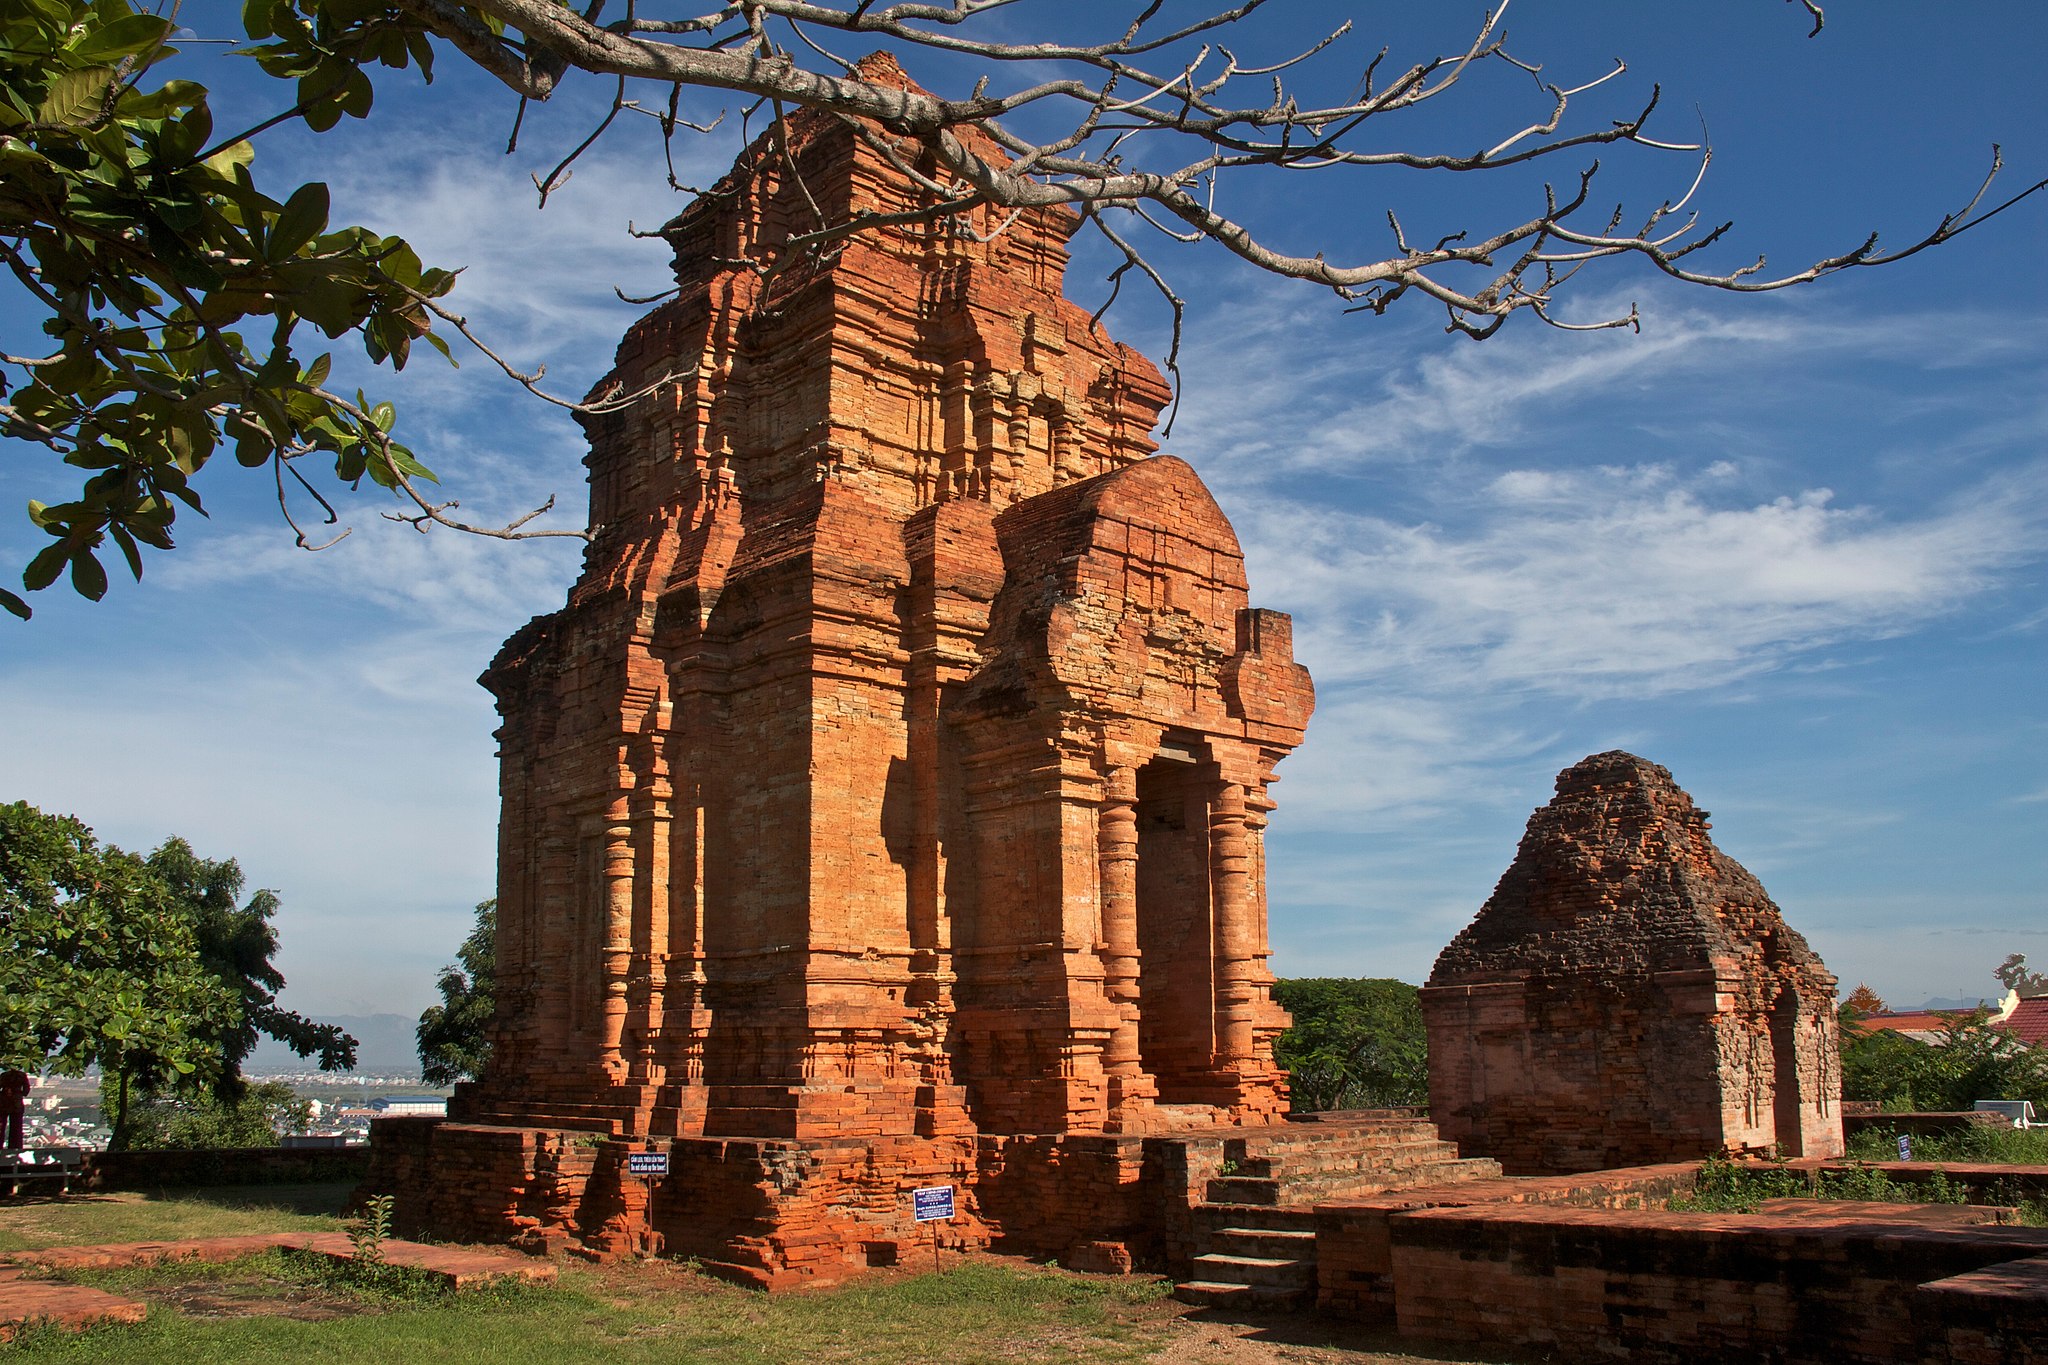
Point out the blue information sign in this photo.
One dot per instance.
(1905, 1147)
(933, 1203)
(647, 1163)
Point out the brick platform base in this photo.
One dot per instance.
(1835, 1282)
(776, 1212)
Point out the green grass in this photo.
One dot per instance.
(225, 1211)
(1725, 1187)
(1973, 1144)
(978, 1313)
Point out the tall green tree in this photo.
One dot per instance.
(100, 966)
(147, 968)
(237, 943)
(455, 1035)
(1354, 1044)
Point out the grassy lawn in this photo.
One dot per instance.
(276, 1307)
(267, 1309)
(223, 1211)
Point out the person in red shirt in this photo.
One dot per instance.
(14, 1088)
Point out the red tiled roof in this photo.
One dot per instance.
(2029, 1020)
(1913, 1021)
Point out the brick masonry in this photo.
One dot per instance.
(888, 800)
(1630, 995)
(1830, 1283)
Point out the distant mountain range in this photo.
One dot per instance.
(1944, 1003)
(385, 1046)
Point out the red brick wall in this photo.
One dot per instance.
(1629, 994)
(1655, 1286)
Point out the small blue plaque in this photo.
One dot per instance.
(647, 1163)
(1905, 1147)
(933, 1203)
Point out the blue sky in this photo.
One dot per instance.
(1794, 547)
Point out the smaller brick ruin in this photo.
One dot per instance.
(1629, 995)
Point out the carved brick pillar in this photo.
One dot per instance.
(1117, 842)
(1237, 945)
(647, 996)
(617, 949)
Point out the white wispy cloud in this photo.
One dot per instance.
(1624, 580)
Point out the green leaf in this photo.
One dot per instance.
(76, 98)
(303, 218)
(223, 162)
(131, 36)
(42, 571)
(88, 577)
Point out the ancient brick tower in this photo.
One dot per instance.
(1630, 995)
(898, 767)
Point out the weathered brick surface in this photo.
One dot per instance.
(1355, 1262)
(1655, 1286)
(890, 794)
(1629, 994)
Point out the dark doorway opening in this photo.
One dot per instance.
(1176, 929)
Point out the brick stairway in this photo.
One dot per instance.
(1256, 1228)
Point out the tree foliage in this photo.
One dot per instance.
(1354, 1044)
(99, 964)
(1974, 1061)
(177, 295)
(454, 1036)
(201, 1120)
(237, 943)
(147, 969)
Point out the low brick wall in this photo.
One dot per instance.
(165, 1168)
(1655, 1286)
(781, 1211)
(1354, 1238)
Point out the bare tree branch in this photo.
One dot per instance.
(1157, 140)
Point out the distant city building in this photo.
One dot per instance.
(392, 1105)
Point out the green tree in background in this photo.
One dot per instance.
(1354, 1044)
(237, 943)
(201, 1119)
(454, 1036)
(99, 964)
(1974, 1061)
(147, 969)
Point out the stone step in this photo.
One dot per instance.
(1253, 1298)
(1365, 1184)
(1243, 1189)
(1339, 1139)
(1287, 1243)
(1280, 1272)
(1254, 1217)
